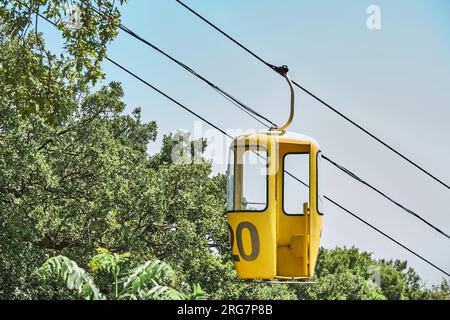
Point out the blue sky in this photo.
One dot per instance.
(394, 81)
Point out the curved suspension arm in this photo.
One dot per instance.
(283, 71)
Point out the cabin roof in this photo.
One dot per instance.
(283, 136)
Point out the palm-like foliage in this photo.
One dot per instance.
(148, 279)
(153, 280)
(74, 277)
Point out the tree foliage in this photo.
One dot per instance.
(348, 273)
(37, 80)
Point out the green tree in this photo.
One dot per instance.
(67, 188)
(348, 273)
(344, 285)
(36, 80)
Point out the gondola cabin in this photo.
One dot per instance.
(274, 203)
(274, 219)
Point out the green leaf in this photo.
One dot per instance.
(144, 274)
(72, 275)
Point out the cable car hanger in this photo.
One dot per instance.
(283, 70)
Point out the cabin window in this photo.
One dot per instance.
(230, 182)
(247, 179)
(319, 184)
(295, 182)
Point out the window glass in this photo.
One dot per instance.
(247, 179)
(230, 181)
(296, 166)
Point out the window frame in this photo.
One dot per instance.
(247, 146)
(301, 214)
(318, 154)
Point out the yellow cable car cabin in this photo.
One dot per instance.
(274, 219)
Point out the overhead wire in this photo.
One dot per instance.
(226, 134)
(326, 197)
(354, 176)
(251, 111)
(330, 107)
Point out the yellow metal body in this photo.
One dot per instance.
(269, 244)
